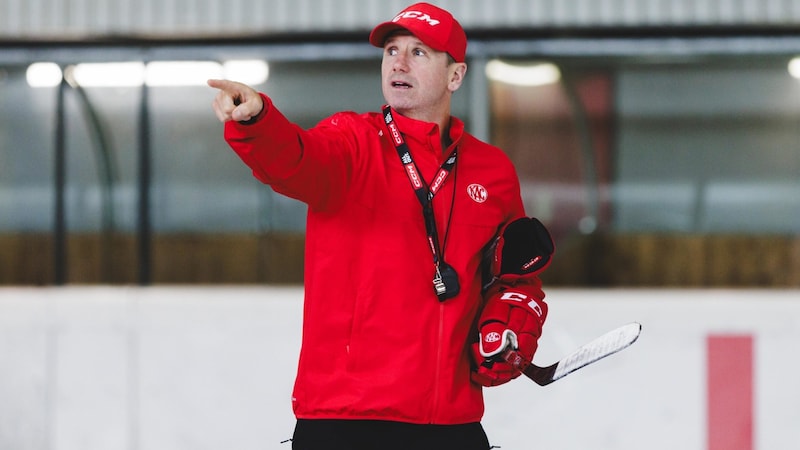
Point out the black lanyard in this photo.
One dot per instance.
(424, 193)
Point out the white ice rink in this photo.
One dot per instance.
(194, 368)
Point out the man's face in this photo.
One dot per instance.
(417, 80)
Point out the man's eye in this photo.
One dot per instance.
(419, 52)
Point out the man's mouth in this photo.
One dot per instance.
(401, 84)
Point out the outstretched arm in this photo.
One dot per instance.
(312, 166)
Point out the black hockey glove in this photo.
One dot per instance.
(522, 248)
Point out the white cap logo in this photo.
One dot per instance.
(419, 15)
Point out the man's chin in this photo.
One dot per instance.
(398, 105)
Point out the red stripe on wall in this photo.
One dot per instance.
(730, 392)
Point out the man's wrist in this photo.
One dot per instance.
(256, 117)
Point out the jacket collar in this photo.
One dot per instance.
(423, 131)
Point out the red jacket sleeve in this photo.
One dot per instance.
(312, 166)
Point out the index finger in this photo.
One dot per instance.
(223, 85)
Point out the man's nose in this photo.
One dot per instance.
(400, 63)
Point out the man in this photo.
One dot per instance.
(401, 206)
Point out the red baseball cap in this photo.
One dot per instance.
(434, 26)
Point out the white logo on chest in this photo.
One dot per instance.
(477, 193)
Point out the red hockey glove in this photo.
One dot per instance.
(510, 320)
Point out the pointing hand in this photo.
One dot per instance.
(235, 101)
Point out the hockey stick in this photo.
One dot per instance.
(599, 348)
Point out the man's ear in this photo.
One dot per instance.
(457, 72)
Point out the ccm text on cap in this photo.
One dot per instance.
(434, 26)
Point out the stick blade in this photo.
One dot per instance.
(601, 347)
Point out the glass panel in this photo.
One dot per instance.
(606, 148)
(708, 146)
(715, 142)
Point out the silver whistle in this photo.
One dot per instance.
(438, 283)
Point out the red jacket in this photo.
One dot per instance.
(377, 343)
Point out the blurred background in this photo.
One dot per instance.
(657, 139)
(151, 288)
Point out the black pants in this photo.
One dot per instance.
(386, 435)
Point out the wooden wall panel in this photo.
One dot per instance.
(647, 260)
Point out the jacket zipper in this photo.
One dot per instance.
(438, 367)
(440, 332)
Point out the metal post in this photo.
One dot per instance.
(144, 232)
(479, 108)
(60, 177)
